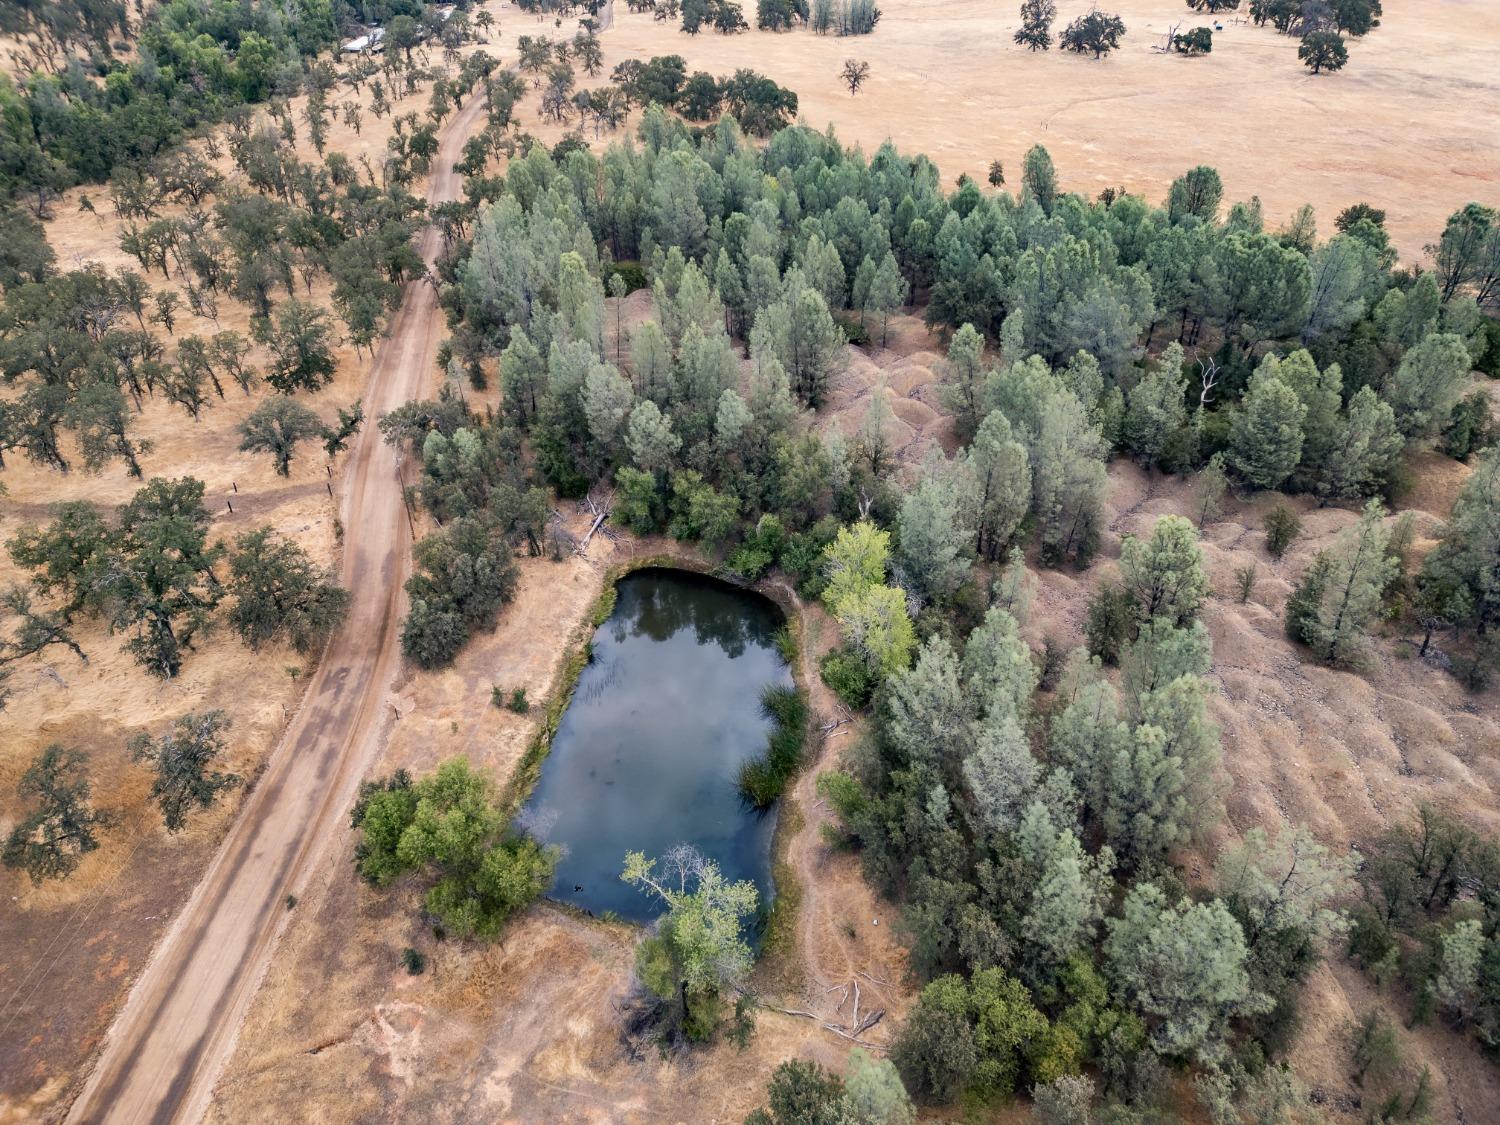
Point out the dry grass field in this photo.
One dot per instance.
(1404, 126)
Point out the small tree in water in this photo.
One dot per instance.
(698, 952)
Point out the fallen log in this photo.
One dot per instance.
(600, 518)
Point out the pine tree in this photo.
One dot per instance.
(936, 531)
(1070, 890)
(1040, 178)
(1183, 966)
(1468, 557)
(1165, 573)
(964, 378)
(1002, 477)
(799, 332)
(1265, 434)
(1428, 383)
(649, 437)
(523, 377)
(1365, 452)
(1209, 490)
(1156, 411)
(926, 714)
(1001, 775)
(887, 291)
(1338, 600)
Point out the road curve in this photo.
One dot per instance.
(169, 1043)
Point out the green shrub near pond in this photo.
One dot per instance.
(763, 780)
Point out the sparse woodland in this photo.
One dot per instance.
(1028, 810)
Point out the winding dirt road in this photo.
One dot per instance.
(172, 1038)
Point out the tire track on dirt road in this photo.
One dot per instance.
(167, 1046)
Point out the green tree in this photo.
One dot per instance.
(1468, 253)
(101, 419)
(62, 826)
(1209, 490)
(1183, 967)
(450, 825)
(800, 334)
(801, 1092)
(968, 1036)
(1156, 413)
(936, 532)
(1069, 890)
(1282, 527)
(1165, 573)
(1323, 50)
(1196, 193)
(465, 573)
(181, 761)
(964, 377)
(1468, 557)
(650, 439)
(699, 952)
(1265, 434)
(279, 594)
(886, 292)
(935, 1052)
(1428, 383)
(854, 561)
(275, 427)
(1035, 32)
(1095, 31)
(299, 340)
(1040, 180)
(1366, 449)
(155, 575)
(1001, 473)
(1284, 891)
(874, 621)
(1339, 598)
(1456, 982)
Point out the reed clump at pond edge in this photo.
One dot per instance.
(763, 780)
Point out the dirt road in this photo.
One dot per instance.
(170, 1041)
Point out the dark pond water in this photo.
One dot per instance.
(648, 753)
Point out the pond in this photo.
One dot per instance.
(648, 753)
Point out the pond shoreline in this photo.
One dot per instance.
(778, 935)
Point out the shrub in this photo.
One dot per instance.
(1282, 528)
(764, 779)
(631, 273)
(848, 676)
(1111, 616)
(517, 701)
(855, 332)
(1244, 581)
(416, 963)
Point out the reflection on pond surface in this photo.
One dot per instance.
(648, 753)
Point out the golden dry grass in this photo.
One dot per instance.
(1404, 126)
